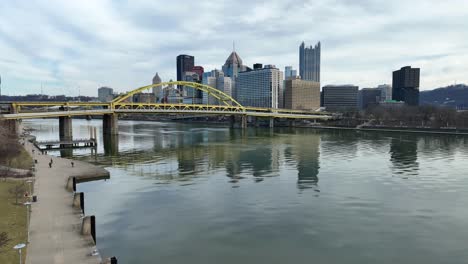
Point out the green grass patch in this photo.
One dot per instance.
(12, 221)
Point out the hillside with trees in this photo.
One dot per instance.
(455, 96)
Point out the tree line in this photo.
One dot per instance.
(426, 116)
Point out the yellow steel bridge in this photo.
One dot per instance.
(226, 105)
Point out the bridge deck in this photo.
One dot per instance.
(278, 114)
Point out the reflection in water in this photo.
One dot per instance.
(404, 155)
(196, 194)
(307, 149)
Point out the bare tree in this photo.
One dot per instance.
(17, 191)
(4, 239)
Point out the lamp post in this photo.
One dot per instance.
(30, 188)
(19, 247)
(28, 204)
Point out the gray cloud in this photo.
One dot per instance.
(121, 44)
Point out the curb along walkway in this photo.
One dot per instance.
(55, 225)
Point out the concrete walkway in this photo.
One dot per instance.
(55, 226)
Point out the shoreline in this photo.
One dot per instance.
(388, 129)
(459, 132)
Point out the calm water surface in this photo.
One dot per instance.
(183, 193)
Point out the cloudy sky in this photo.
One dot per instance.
(78, 46)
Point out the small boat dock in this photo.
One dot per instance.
(66, 144)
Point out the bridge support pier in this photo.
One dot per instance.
(111, 145)
(110, 124)
(11, 125)
(65, 128)
(238, 122)
(243, 121)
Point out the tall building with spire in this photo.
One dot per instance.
(157, 91)
(309, 62)
(233, 65)
(231, 68)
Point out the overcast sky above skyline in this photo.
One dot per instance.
(78, 46)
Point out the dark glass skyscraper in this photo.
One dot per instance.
(340, 97)
(406, 85)
(309, 62)
(184, 63)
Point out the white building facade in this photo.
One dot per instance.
(261, 87)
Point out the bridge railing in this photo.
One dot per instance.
(170, 106)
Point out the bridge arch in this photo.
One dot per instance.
(221, 96)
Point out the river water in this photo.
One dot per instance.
(190, 193)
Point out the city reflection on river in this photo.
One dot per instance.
(183, 193)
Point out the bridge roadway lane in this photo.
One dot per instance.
(55, 226)
(166, 111)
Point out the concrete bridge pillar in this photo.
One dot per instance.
(65, 128)
(243, 121)
(110, 124)
(11, 125)
(271, 122)
(238, 121)
(111, 145)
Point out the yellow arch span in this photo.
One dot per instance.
(221, 96)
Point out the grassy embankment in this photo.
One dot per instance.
(12, 221)
(12, 215)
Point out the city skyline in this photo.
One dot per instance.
(86, 45)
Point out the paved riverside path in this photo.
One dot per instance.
(55, 225)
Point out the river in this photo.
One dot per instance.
(191, 193)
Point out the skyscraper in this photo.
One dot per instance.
(231, 68)
(233, 65)
(184, 63)
(309, 62)
(198, 70)
(216, 79)
(340, 97)
(157, 91)
(386, 91)
(190, 94)
(260, 87)
(105, 94)
(289, 72)
(301, 95)
(369, 97)
(406, 85)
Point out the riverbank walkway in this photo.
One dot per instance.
(55, 225)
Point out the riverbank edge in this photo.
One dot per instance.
(387, 129)
(371, 129)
